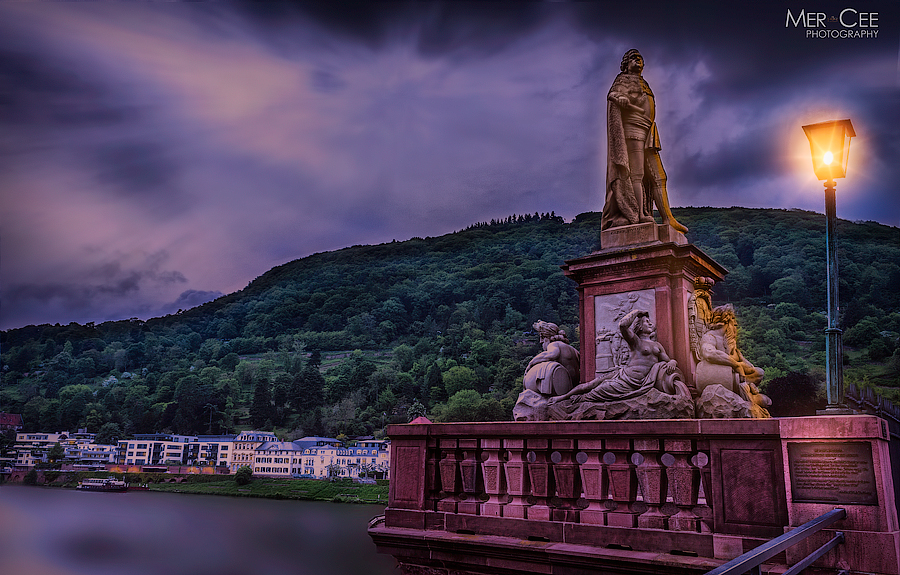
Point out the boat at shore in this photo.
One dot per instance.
(101, 484)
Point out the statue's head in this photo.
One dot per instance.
(550, 331)
(643, 326)
(723, 315)
(628, 57)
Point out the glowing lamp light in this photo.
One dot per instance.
(829, 143)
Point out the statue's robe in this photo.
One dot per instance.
(621, 207)
(614, 386)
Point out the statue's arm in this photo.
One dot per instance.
(618, 98)
(712, 354)
(663, 356)
(577, 390)
(625, 327)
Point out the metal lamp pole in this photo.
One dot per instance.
(829, 144)
(834, 347)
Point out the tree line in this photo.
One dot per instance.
(439, 323)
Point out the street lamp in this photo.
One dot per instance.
(829, 143)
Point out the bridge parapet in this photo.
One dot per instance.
(684, 494)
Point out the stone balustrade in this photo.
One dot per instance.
(688, 488)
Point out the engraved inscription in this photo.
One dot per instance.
(832, 472)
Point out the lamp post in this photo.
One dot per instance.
(829, 144)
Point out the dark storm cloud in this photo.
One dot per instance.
(35, 93)
(236, 136)
(84, 117)
(117, 287)
(142, 171)
(729, 164)
(438, 27)
(188, 299)
(134, 167)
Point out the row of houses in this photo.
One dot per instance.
(315, 457)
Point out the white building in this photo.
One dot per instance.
(368, 458)
(216, 450)
(245, 444)
(169, 449)
(157, 449)
(277, 459)
(32, 448)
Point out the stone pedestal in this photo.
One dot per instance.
(657, 277)
(638, 234)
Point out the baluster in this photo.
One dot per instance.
(701, 461)
(565, 473)
(622, 483)
(593, 480)
(539, 474)
(653, 481)
(494, 485)
(468, 471)
(516, 478)
(432, 475)
(449, 467)
(685, 482)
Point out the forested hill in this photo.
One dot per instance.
(453, 312)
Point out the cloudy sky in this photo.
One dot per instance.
(156, 155)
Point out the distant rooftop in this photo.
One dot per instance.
(315, 441)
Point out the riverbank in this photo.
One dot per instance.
(339, 491)
(342, 491)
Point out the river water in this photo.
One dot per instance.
(51, 531)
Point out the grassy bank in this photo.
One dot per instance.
(308, 489)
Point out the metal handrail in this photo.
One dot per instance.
(750, 561)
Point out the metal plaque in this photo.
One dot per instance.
(832, 472)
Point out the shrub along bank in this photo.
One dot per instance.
(342, 491)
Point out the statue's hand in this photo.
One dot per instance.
(671, 366)
(622, 101)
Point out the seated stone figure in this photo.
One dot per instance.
(722, 363)
(551, 372)
(648, 367)
(554, 370)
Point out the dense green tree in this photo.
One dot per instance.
(469, 405)
(311, 388)
(415, 410)
(244, 475)
(55, 454)
(73, 400)
(795, 394)
(190, 398)
(463, 300)
(262, 409)
(459, 378)
(109, 434)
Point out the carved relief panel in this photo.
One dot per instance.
(611, 349)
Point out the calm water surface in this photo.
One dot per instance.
(46, 531)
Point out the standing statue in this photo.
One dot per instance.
(635, 178)
(648, 367)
